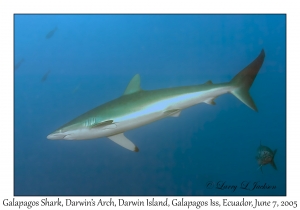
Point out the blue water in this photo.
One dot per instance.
(92, 58)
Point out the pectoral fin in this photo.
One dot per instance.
(121, 140)
(210, 101)
(107, 123)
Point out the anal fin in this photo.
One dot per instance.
(210, 101)
(121, 140)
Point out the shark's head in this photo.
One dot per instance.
(59, 135)
(56, 135)
(69, 132)
(83, 128)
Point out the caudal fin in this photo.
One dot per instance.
(244, 79)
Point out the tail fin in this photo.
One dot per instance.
(244, 79)
(272, 162)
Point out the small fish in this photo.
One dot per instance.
(51, 33)
(45, 76)
(265, 155)
(19, 64)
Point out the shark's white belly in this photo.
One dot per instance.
(138, 107)
(150, 113)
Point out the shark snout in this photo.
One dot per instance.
(54, 136)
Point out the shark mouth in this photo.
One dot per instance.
(56, 136)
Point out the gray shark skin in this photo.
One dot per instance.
(265, 156)
(137, 107)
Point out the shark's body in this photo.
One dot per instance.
(138, 107)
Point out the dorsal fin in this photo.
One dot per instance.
(134, 85)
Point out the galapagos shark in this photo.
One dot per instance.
(138, 107)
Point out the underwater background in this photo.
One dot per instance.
(66, 65)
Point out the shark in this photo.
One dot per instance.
(138, 107)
